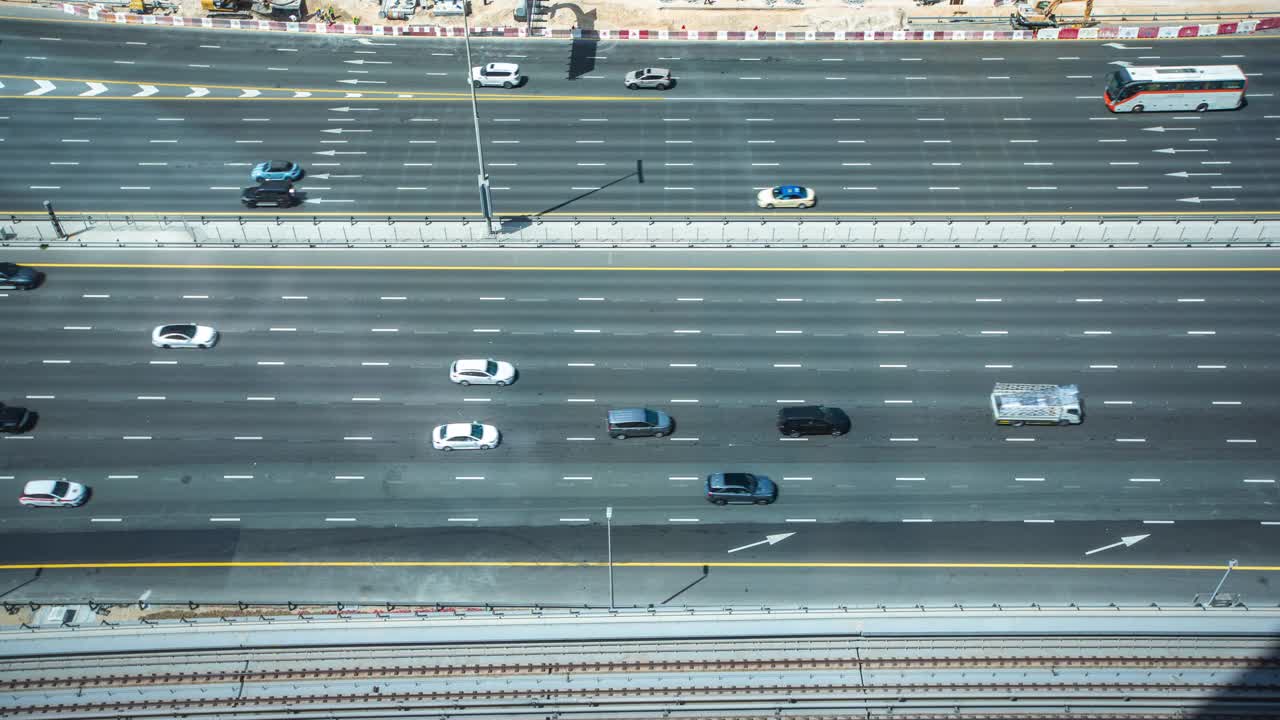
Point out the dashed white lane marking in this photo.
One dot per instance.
(898, 402)
(1242, 440)
(904, 439)
(1260, 480)
(1144, 480)
(893, 365)
(247, 437)
(339, 519)
(1104, 367)
(1028, 479)
(1117, 402)
(995, 366)
(224, 519)
(106, 520)
(1131, 440)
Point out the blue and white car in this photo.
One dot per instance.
(786, 196)
(276, 170)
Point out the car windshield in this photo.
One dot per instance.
(61, 488)
(183, 330)
(739, 481)
(651, 417)
(477, 430)
(491, 367)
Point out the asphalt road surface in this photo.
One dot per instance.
(312, 414)
(99, 118)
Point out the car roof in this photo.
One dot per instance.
(278, 164)
(791, 188)
(473, 364)
(273, 186)
(458, 429)
(39, 487)
(656, 71)
(503, 67)
(802, 411)
(623, 415)
(9, 267)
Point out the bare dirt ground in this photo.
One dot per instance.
(822, 15)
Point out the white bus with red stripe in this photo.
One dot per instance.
(1207, 87)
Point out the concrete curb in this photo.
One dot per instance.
(1242, 27)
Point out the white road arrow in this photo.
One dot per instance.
(94, 89)
(770, 539)
(339, 131)
(322, 200)
(1185, 174)
(351, 109)
(1122, 46)
(1171, 151)
(198, 92)
(250, 93)
(301, 93)
(1161, 128)
(327, 176)
(1121, 63)
(339, 152)
(146, 91)
(43, 86)
(1198, 200)
(1126, 541)
(354, 81)
(364, 41)
(367, 62)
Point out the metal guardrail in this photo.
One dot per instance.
(1122, 17)
(460, 232)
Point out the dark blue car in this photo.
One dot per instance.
(18, 277)
(276, 170)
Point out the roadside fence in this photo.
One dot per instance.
(460, 232)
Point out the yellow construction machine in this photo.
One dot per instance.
(1043, 15)
(152, 7)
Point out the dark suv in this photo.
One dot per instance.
(812, 420)
(740, 488)
(15, 419)
(639, 422)
(18, 277)
(272, 192)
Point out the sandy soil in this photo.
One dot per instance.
(827, 15)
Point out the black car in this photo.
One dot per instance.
(812, 420)
(15, 419)
(18, 277)
(740, 488)
(279, 193)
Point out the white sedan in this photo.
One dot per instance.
(53, 493)
(184, 336)
(465, 436)
(482, 372)
(796, 196)
(505, 75)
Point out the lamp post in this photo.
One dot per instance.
(482, 179)
(608, 523)
(53, 218)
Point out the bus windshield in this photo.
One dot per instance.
(1116, 81)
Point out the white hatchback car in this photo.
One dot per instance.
(505, 75)
(465, 436)
(184, 336)
(482, 372)
(53, 493)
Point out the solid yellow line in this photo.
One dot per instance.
(597, 564)
(647, 268)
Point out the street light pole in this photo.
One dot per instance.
(608, 520)
(482, 179)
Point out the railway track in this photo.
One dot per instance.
(815, 678)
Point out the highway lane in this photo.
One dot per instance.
(1178, 419)
(877, 143)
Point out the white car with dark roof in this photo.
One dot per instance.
(482, 371)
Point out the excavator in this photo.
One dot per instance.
(1042, 15)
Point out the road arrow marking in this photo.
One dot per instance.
(367, 62)
(1185, 174)
(351, 109)
(322, 200)
(355, 81)
(94, 89)
(1126, 541)
(301, 94)
(250, 93)
(198, 92)
(339, 131)
(770, 539)
(327, 176)
(364, 41)
(1198, 200)
(146, 91)
(1160, 128)
(1122, 46)
(337, 152)
(1171, 151)
(44, 86)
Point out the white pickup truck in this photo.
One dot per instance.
(1031, 404)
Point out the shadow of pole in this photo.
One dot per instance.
(706, 570)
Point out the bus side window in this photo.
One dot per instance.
(1233, 84)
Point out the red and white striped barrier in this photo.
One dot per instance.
(1241, 27)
